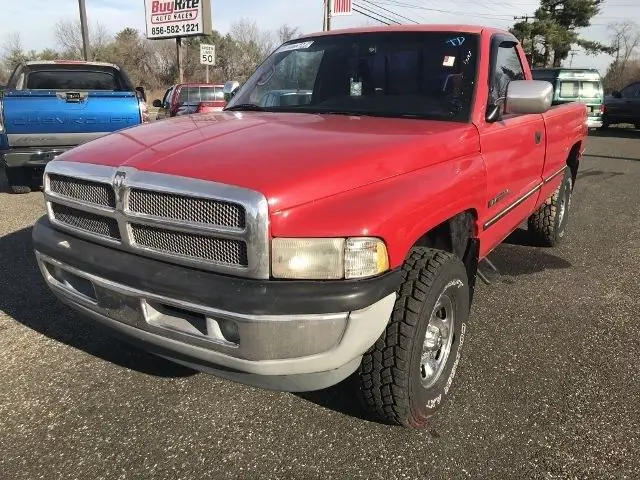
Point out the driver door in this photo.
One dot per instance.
(513, 148)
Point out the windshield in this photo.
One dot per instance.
(395, 74)
(200, 94)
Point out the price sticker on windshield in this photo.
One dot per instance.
(449, 61)
(295, 46)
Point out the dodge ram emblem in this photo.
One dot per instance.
(118, 183)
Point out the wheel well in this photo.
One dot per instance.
(573, 161)
(457, 235)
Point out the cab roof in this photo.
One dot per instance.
(71, 62)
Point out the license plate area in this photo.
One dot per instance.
(73, 97)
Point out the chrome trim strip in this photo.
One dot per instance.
(79, 205)
(512, 206)
(55, 139)
(255, 233)
(554, 175)
(184, 226)
(205, 310)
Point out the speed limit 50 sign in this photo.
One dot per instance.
(207, 54)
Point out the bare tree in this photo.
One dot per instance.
(68, 35)
(286, 33)
(247, 33)
(12, 52)
(625, 40)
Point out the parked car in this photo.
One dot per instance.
(183, 99)
(290, 247)
(623, 107)
(49, 107)
(576, 84)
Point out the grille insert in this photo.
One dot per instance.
(198, 247)
(88, 222)
(83, 190)
(190, 209)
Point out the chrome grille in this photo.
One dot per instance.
(83, 190)
(192, 222)
(89, 222)
(190, 209)
(220, 250)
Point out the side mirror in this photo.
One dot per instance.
(230, 89)
(616, 94)
(141, 93)
(528, 96)
(157, 103)
(523, 97)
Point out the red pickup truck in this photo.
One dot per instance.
(337, 235)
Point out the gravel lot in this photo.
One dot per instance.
(549, 386)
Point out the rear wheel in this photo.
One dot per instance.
(406, 375)
(19, 179)
(548, 224)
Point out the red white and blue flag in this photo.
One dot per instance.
(341, 7)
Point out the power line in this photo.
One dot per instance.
(390, 11)
(468, 14)
(390, 20)
(355, 9)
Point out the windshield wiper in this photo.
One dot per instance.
(249, 107)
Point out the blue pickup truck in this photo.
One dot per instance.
(49, 107)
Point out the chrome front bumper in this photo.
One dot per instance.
(30, 157)
(292, 352)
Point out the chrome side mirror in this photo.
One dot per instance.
(523, 97)
(528, 96)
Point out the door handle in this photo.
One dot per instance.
(538, 136)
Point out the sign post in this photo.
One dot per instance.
(207, 57)
(84, 28)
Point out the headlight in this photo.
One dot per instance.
(328, 258)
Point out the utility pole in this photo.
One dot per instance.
(526, 20)
(326, 22)
(573, 54)
(85, 29)
(179, 58)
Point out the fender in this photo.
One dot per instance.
(400, 210)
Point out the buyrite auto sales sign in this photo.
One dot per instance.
(177, 18)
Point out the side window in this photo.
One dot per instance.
(632, 91)
(167, 97)
(507, 67)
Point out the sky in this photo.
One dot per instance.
(34, 19)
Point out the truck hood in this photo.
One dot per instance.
(292, 158)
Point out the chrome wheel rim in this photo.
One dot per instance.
(438, 340)
(565, 201)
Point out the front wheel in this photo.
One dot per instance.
(407, 374)
(547, 226)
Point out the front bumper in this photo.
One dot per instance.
(281, 335)
(594, 122)
(30, 157)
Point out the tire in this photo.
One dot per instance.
(547, 226)
(394, 386)
(19, 179)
